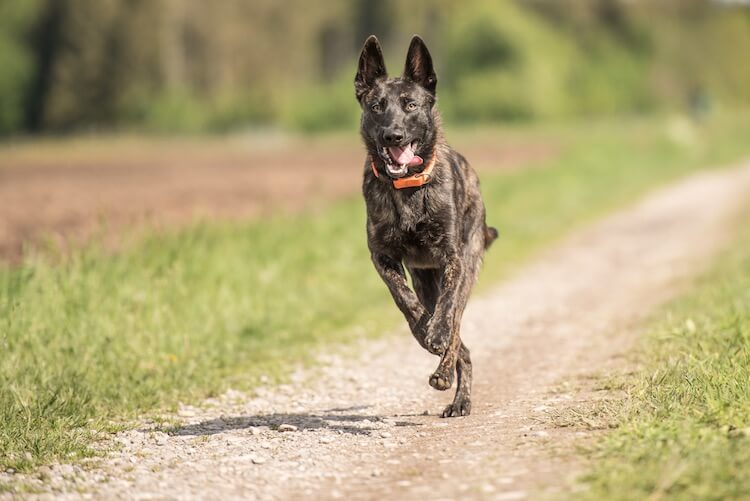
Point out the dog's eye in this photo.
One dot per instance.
(375, 108)
(411, 106)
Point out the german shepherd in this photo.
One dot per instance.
(424, 210)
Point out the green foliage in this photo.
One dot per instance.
(494, 64)
(684, 432)
(175, 65)
(16, 61)
(184, 315)
(185, 113)
(179, 112)
(612, 81)
(318, 108)
(13, 80)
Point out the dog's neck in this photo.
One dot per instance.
(413, 181)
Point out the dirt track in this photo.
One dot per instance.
(358, 428)
(71, 191)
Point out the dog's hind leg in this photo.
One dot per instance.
(427, 286)
(457, 356)
(461, 405)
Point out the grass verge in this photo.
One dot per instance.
(684, 429)
(184, 315)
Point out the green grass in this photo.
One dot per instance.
(684, 429)
(180, 316)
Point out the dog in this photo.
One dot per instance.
(424, 210)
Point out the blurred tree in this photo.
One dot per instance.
(504, 64)
(188, 65)
(17, 18)
(45, 42)
(372, 17)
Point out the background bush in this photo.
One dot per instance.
(191, 66)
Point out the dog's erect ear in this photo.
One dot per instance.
(418, 67)
(371, 67)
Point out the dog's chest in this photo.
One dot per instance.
(416, 247)
(410, 230)
(415, 226)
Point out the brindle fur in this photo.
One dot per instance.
(437, 231)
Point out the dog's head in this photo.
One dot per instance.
(398, 119)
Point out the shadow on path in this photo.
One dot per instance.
(343, 420)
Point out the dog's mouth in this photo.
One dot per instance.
(398, 159)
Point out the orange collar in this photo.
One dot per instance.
(415, 181)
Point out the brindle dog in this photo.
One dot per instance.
(424, 210)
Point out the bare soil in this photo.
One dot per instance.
(70, 191)
(363, 425)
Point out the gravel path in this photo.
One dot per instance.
(363, 425)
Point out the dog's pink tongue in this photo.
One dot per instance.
(405, 155)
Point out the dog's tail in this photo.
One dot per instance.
(490, 234)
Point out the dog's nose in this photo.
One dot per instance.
(393, 136)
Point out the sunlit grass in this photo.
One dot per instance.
(184, 315)
(684, 430)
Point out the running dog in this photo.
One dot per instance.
(424, 210)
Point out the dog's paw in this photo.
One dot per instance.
(441, 380)
(460, 407)
(437, 338)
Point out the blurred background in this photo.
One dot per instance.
(118, 111)
(192, 66)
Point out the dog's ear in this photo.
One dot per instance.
(418, 67)
(371, 67)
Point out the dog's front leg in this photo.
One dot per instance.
(392, 273)
(442, 333)
(440, 326)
